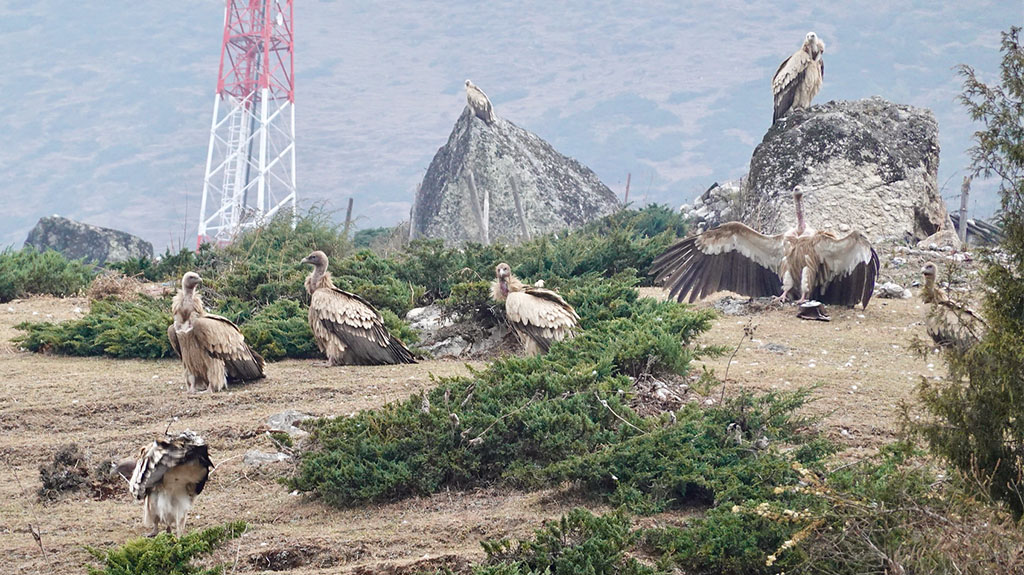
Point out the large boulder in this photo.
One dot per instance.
(867, 165)
(501, 183)
(76, 240)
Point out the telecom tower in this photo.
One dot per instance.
(250, 164)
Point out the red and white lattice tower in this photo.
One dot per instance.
(250, 164)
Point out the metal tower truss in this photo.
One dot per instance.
(250, 162)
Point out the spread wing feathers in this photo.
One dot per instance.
(184, 459)
(353, 320)
(730, 257)
(847, 268)
(787, 79)
(542, 315)
(222, 340)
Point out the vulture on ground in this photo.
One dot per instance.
(798, 79)
(803, 264)
(539, 316)
(345, 326)
(479, 103)
(168, 475)
(211, 347)
(949, 324)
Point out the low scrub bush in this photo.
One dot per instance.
(281, 330)
(28, 272)
(165, 554)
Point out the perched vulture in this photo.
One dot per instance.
(539, 316)
(802, 264)
(949, 324)
(799, 77)
(345, 326)
(211, 347)
(168, 474)
(479, 103)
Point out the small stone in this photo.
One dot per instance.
(255, 457)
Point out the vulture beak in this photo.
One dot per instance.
(306, 260)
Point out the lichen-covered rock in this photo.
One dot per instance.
(76, 240)
(867, 165)
(501, 183)
(718, 204)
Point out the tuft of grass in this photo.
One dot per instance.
(165, 554)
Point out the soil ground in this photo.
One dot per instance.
(110, 408)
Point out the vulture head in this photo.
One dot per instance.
(317, 259)
(813, 45)
(929, 272)
(190, 280)
(503, 272)
(469, 83)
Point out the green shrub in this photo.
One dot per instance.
(281, 330)
(136, 328)
(165, 554)
(27, 272)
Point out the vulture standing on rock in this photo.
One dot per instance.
(539, 316)
(168, 474)
(798, 79)
(211, 347)
(479, 103)
(802, 264)
(346, 327)
(949, 323)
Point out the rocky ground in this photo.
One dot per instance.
(861, 362)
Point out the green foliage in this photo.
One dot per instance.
(280, 330)
(136, 328)
(377, 280)
(165, 554)
(977, 406)
(27, 272)
(368, 237)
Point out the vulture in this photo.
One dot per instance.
(168, 475)
(799, 77)
(539, 316)
(479, 103)
(949, 324)
(210, 346)
(345, 326)
(801, 264)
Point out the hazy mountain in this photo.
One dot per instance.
(106, 105)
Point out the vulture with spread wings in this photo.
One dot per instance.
(346, 327)
(799, 77)
(802, 264)
(210, 346)
(168, 475)
(539, 316)
(949, 324)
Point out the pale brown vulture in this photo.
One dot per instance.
(479, 103)
(802, 264)
(345, 326)
(949, 323)
(211, 347)
(798, 79)
(539, 316)
(168, 475)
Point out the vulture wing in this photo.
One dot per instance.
(222, 340)
(730, 257)
(951, 324)
(847, 269)
(173, 337)
(786, 80)
(542, 315)
(186, 457)
(335, 313)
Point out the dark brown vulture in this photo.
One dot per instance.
(801, 264)
(168, 475)
(345, 326)
(949, 324)
(539, 316)
(479, 103)
(211, 347)
(799, 77)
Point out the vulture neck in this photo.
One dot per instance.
(502, 287)
(801, 226)
(930, 294)
(186, 303)
(320, 278)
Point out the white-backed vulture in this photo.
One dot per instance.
(479, 103)
(346, 327)
(949, 324)
(539, 316)
(168, 474)
(802, 264)
(210, 346)
(799, 77)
